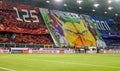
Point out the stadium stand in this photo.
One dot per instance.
(14, 31)
(27, 31)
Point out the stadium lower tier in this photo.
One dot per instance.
(25, 38)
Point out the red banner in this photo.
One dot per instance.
(21, 18)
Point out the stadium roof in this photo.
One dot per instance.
(106, 8)
(103, 8)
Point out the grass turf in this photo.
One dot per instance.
(60, 62)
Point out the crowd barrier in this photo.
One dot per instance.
(112, 51)
(41, 51)
(4, 51)
(66, 51)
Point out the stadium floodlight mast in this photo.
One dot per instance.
(109, 1)
(116, 14)
(58, 1)
(96, 5)
(105, 12)
(110, 8)
(80, 8)
(93, 10)
(79, 1)
(65, 5)
(47, 1)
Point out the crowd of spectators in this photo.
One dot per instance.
(25, 38)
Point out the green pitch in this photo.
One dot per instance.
(59, 62)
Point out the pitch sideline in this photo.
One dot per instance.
(7, 69)
(79, 63)
(82, 64)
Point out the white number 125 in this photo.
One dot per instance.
(26, 16)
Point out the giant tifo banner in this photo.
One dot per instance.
(101, 24)
(70, 29)
(19, 18)
(94, 30)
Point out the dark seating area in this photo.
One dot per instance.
(113, 42)
(25, 38)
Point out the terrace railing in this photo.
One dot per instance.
(27, 45)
